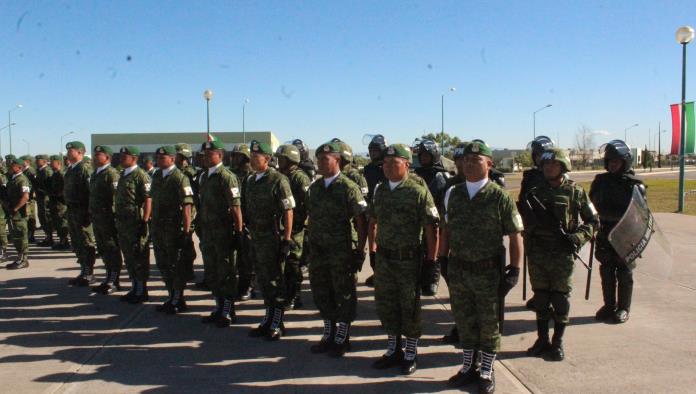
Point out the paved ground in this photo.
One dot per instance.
(59, 339)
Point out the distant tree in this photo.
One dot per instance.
(450, 142)
(524, 159)
(360, 161)
(584, 143)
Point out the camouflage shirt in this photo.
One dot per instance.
(56, 185)
(76, 185)
(169, 194)
(43, 177)
(299, 185)
(266, 200)
(102, 187)
(401, 214)
(217, 194)
(355, 176)
(476, 226)
(132, 192)
(16, 187)
(30, 173)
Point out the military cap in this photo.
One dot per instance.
(242, 149)
(328, 147)
(183, 149)
(130, 150)
(213, 145)
(103, 149)
(261, 147)
(398, 150)
(346, 150)
(478, 148)
(289, 152)
(56, 157)
(559, 155)
(10, 157)
(148, 158)
(27, 158)
(41, 157)
(75, 145)
(167, 150)
(17, 161)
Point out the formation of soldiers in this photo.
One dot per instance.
(261, 225)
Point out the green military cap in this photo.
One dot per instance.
(27, 158)
(242, 149)
(87, 159)
(478, 148)
(183, 149)
(75, 145)
(328, 147)
(213, 145)
(261, 147)
(398, 150)
(41, 157)
(56, 157)
(167, 150)
(289, 152)
(148, 158)
(130, 150)
(17, 161)
(10, 157)
(103, 149)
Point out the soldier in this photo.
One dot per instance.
(133, 207)
(288, 161)
(401, 211)
(373, 175)
(76, 193)
(18, 191)
(333, 202)
(43, 176)
(202, 169)
(221, 230)
(183, 163)
(554, 210)
(306, 163)
(56, 204)
(102, 188)
(149, 166)
(269, 204)
(3, 217)
(611, 193)
(242, 169)
(30, 172)
(172, 199)
(478, 214)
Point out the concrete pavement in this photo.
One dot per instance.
(59, 339)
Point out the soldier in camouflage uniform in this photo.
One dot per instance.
(18, 191)
(76, 193)
(242, 169)
(30, 172)
(288, 161)
(149, 166)
(611, 193)
(102, 187)
(183, 163)
(43, 175)
(133, 207)
(269, 205)
(306, 163)
(172, 199)
(56, 204)
(3, 218)
(401, 212)
(374, 174)
(561, 219)
(221, 230)
(478, 214)
(202, 169)
(334, 203)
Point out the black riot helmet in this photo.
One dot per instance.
(378, 142)
(538, 145)
(302, 147)
(617, 149)
(431, 147)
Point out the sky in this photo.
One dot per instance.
(322, 69)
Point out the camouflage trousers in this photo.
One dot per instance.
(474, 299)
(270, 268)
(333, 283)
(107, 241)
(293, 270)
(3, 230)
(20, 235)
(31, 215)
(551, 276)
(397, 296)
(59, 222)
(188, 255)
(81, 235)
(166, 238)
(245, 264)
(135, 248)
(44, 217)
(219, 259)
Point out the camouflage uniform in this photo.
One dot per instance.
(3, 217)
(245, 264)
(42, 186)
(17, 185)
(30, 173)
(102, 187)
(57, 207)
(188, 251)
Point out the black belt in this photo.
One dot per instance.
(478, 265)
(399, 254)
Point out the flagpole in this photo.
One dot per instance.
(682, 138)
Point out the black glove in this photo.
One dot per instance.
(357, 260)
(427, 270)
(373, 260)
(444, 265)
(512, 275)
(142, 230)
(286, 247)
(237, 240)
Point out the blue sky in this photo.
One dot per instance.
(321, 69)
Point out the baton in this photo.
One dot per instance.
(524, 278)
(589, 268)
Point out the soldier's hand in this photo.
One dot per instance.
(512, 275)
(286, 247)
(142, 230)
(373, 259)
(357, 261)
(444, 265)
(237, 240)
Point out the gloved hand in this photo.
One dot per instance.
(184, 238)
(512, 275)
(444, 265)
(373, 260)
(286, 247)
(237, 240)
(357, 260)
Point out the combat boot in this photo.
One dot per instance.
(140, 295)
(20, 263)
(277, 328)
(262, 329)
(227, 314)
(245, 294)
(102, 288)
(177, 304)
(215, 314)
(130, 294)
(542, 344)
(486, 374)
(467, 374)
(410, 362)
(167, 305)
(604, 313)
(453, 337)
(621, 316)
(394, 355)
(3, 254)
(556, 352)
(341, 343)
(327, 338)
(370, 281)
(487, 386)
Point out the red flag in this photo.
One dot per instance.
(676, 128)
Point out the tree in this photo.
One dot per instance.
(524, 159)
(584, 143)
(450, 142)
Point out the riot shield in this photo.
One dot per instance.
(637, 235)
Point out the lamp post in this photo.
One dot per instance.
(626, 131)
(9, 122)
(246, 101)
(442, 124)
(534, 118)
(28, 146)
(1, 129)
(207, 95)
(61, 141)
(684, 36)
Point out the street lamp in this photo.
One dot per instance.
(534, 117)
(626, 132)
(9, 122)
(208, 95)
(61, 141)
(246, 101)
(1, 129)
(684, 36)
(442, 125)
(28, 146)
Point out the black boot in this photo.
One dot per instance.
(410, 362)
(63, 245)
(276, 329)
(245, 294)
(178, 303)
(167, 305)
(102, 287)
(625, 292)
(542, 344)
(262, 329)
(394, 355)
(341, 340)
(606, 312)
(130, 294)
(140, 295)
(327, 338)
(487, 376)
(227, 314)
(453, 337)
(20, 263)
(556, 352)
(215, 314)
(467, 374)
